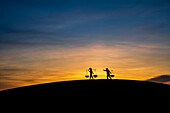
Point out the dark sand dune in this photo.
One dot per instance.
(85, 86)
(87, 95)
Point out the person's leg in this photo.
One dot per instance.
(110, 76)
(90, 76)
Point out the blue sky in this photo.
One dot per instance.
(66, 28)
(115, 20)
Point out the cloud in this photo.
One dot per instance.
(11, 79)
(27, 31)
(53, 64)
(156, 27)
(37, 43)
(9, 82)
(11, 73)
(13, 37)
(31, 32)
(13, 69)
(161, 79)
(7, 85)
(67, 36)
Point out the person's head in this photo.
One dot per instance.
(107, 69)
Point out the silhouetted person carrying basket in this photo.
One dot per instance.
(108, 73)
(91, 73)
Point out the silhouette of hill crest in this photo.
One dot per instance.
(87, 86)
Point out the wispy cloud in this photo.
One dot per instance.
(12, 69)
(128, 59)
(43, 41)
(161, 79)
(30, 37)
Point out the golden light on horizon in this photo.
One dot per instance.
(49, 41)
(52, 65)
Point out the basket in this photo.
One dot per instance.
(95, 76)
(112, 75)
(86, 76)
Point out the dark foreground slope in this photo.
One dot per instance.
(85, 87)
(86, 95)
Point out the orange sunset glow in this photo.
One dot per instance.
(138, 62)
(43, 41)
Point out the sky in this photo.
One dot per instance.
(57, 40)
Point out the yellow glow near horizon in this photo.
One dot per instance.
(127, 62)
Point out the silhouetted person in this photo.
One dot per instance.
(108, 73)
(91, 72)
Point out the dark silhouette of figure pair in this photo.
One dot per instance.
(108, 72)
